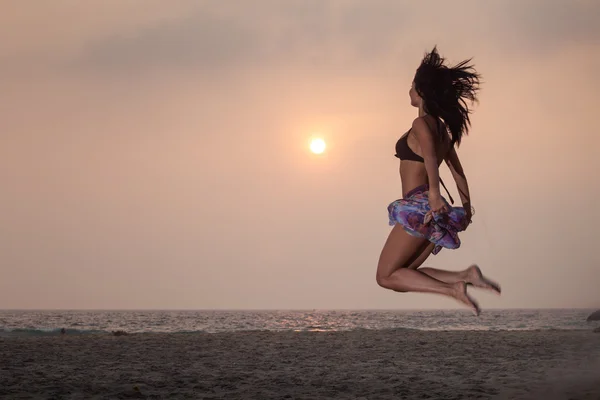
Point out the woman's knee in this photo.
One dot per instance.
(388, 282)
(381, 280)
(384, 281)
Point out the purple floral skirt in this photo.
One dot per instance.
(440, 229)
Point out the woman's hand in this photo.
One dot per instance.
(468, 213)
(437, 204)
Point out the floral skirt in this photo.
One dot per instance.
(413, 214)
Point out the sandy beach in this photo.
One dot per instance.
(362, 364)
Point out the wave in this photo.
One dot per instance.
(30, 332)
(5, 332)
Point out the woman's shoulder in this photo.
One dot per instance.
(429, 124)
(420, 123)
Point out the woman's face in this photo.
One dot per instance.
(415, 99)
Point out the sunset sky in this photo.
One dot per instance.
(155, 154)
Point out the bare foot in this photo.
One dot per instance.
(460, 294)
(476, 278)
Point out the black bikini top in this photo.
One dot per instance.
(404, 152)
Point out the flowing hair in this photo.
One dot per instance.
(445, 91)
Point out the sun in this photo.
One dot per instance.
(317, 145)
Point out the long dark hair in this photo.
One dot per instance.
(445, 91)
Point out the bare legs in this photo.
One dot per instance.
(397, 270)
(412, 280)
(471, 276)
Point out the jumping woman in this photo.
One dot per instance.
(423, 221)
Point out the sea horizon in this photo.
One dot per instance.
(297, 309)
(54, 322)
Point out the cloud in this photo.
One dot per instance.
(216, 35)
(553, 22)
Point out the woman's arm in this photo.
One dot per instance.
(427, 144)
(460, 178)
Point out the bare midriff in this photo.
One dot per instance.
(413, 173)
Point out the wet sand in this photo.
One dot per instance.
(391, 364)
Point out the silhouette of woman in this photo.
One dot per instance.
(423, 221)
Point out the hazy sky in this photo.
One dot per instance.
(154, 154)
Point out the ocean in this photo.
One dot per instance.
(37, 323)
